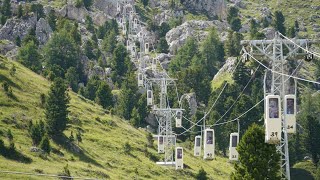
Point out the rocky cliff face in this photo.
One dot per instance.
(176, 37)
(43, 31)
(212, 8)
(17, 27)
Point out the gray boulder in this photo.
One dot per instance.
(43, 31)
(176, 37)
(17, 27)
(212, 8)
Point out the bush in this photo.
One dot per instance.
(127, 148)
(45, 144)
(202, 175)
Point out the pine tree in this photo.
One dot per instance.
(201, 175)
(89, 24)
(45, 144)
(92, 87)
(104, 96)
(310, 112)
(29, 56)
(120, 60)
(212, 52)
(87, 3)
(253, 29)
(88, 50)
(9, 135)
(150, 140)
(52, 19)
(18, 41)
(61, 50)
(56, 109)
(20, 11)
(6, 8)
(258, 160)
(232, 13)
(79, 138)
(279, 22)
(235, 24)
(72, 78)
(241, 74)
(145, 3)
(110, 42)
(162, 46)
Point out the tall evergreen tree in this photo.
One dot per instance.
(212, 51)
(162, 46)
(52, 19)
(56, 109)
(72, 78)
(279, 22)
(104, 95)
(6, 8)
(310, 120)
(29, 56)
(120, 60)
(20, 11)
(62, 50)
(258, 160)
(110, 42)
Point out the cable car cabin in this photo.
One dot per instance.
(233, 153)
(179, 118)
(124, 29)
(179, 158)
(154, 64)
(160, 144)
(290, 112)
(140, 80)
(308, 57)
(128, 45)
(118, 7)
(273, 119)
(208, 146)
(135, 23)
(197, 146)
(146, 48)
(149, 98)
(133, 51)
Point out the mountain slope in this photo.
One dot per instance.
(101, 153)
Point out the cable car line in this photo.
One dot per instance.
(283, 74)
(239, 95)
(314, 53)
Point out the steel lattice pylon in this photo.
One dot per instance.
(273, 51)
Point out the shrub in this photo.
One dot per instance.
(127, 148)
(45, 144)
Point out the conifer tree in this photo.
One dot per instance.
(6, 8)
(20, 11)
(257, 159)
(279, 22)
(104, 96)
(45, 144)
(29, 56)
(162, 46)
(52, 19)
(56, 109)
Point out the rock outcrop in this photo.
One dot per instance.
(212, 8)
(227, 67)
(176, 37)
(15, 27)
(43, 31)
(74, 13)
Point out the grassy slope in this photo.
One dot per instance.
(103, 140)
(292, 10)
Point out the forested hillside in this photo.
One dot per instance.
(72, 102)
